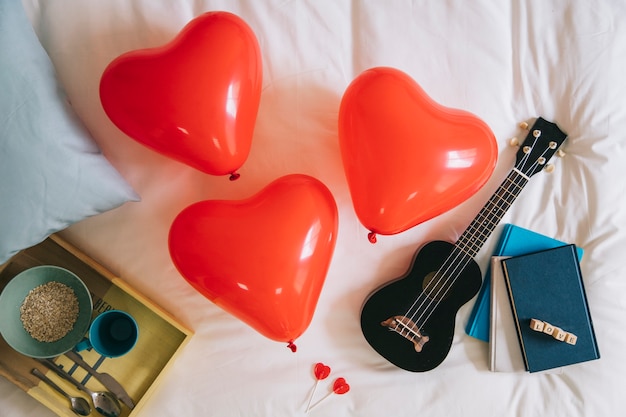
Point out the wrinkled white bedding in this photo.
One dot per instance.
(503, 61)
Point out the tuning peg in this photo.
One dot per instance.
(523, 125)
(549, 168)
(560, 153)
(514, 141)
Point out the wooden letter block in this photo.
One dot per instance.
(556, 332)
(559, 334)
(570, 338)
(536, 325)
(548, 328)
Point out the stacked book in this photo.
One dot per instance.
(539, 317)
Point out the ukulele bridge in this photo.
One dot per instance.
(408, 329)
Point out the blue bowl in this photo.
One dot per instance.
(13, 296)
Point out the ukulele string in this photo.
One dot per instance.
(441, 275)
(521, 171)
(452, 259)
(447, 276)
(451, 269)
(457, 273)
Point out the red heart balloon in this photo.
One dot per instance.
(194, 99)
(407, 158)
(263, 259)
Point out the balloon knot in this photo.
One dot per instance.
(234, 176)
(371, 236)
(292, 346)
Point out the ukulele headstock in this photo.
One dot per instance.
(542, 142)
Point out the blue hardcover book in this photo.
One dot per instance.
(547, 286)
(514, 241)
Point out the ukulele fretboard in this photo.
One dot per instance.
(489, 217)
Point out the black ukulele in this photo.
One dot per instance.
(410, 321)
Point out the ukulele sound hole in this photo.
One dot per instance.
(433, 286)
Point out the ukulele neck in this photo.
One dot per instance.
(490, 215)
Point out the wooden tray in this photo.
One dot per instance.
(161, 338)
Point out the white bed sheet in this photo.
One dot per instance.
(503, 61)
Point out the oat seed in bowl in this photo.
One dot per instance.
(45, 310)
(49, 311)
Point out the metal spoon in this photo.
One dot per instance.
(105, 379)
(103, 401)
(78, 404)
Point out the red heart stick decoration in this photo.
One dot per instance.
(340, 386)
(320, 371)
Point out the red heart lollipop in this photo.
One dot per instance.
(340, 386)
(320, 371)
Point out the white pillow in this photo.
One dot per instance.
(52, 174)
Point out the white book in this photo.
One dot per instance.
(505, 354)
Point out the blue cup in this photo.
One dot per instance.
(112, 334)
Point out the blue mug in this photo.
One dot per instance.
(112, 334)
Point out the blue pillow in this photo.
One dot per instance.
(52, 174)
